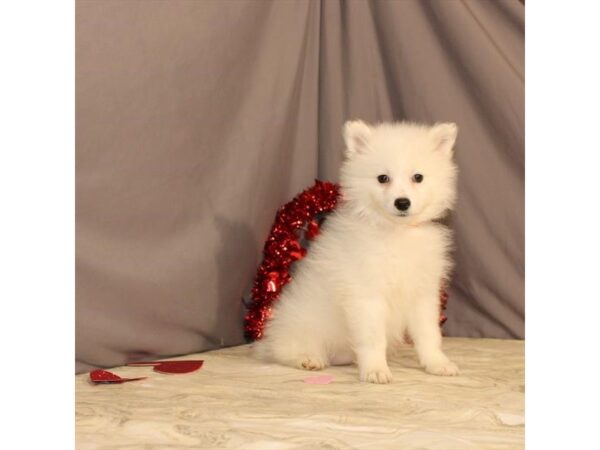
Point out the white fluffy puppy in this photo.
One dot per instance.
(374, 272)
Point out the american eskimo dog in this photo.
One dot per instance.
(373, 273)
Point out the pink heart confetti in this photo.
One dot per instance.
(319, 379)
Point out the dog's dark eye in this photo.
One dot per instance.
(383, 179)
(417, 177)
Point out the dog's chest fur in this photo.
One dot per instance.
(404, 262)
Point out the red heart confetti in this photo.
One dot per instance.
(106, 377)
(185, 366)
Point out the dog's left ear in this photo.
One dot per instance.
(356, 135)
(445, 136)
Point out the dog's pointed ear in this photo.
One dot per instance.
(445, 136)
(356, 135)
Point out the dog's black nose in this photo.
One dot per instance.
(402, 204)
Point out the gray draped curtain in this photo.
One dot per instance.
(196, 120)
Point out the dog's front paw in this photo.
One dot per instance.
(444, 368)
(310, 363)
(381, 375)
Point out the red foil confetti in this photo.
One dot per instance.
(294, 221)
(313, 230)
(443, 302)
(106, 377)
(182, 366)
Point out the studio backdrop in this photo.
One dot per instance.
(196, 120)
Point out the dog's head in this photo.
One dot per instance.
(401, 172)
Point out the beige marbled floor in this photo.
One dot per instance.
(236, 402)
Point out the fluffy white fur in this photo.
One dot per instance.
(374, 271)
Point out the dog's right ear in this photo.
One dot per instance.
(356, 135)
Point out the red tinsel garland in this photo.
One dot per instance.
(293, 220)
